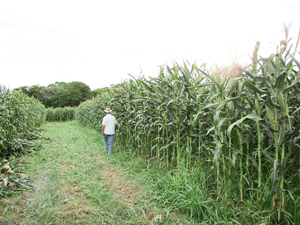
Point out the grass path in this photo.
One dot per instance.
(76, 184)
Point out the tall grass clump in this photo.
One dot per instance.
(60, 114)
(239, 125)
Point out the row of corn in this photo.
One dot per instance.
(60, 114)
(19, 116)
(241, 124)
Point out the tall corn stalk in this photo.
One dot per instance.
(19, 117)
(241, 124)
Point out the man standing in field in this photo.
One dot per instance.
(109, 125)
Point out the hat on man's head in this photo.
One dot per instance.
(107, 110)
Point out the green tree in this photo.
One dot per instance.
(83, 89)
(100, 91)
(59, 94)
(72, 94)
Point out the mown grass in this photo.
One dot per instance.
(76, 183)
(70, 188)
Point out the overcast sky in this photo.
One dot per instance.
(99, 42)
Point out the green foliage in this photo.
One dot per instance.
(100, 91)
(60, 114)
(60, 94)
(185, 190)
(72, 95)
(91, 113)
(20, 115)
(243, 123)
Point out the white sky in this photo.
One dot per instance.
(99, 42)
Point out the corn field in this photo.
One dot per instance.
(19, 117)
(90, 113)
(240, 125)
(60, 114)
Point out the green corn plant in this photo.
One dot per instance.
(60, 114)
(241, 124)
(19, 117)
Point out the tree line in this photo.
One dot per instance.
(61, 94)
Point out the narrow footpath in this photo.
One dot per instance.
(76, 184)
